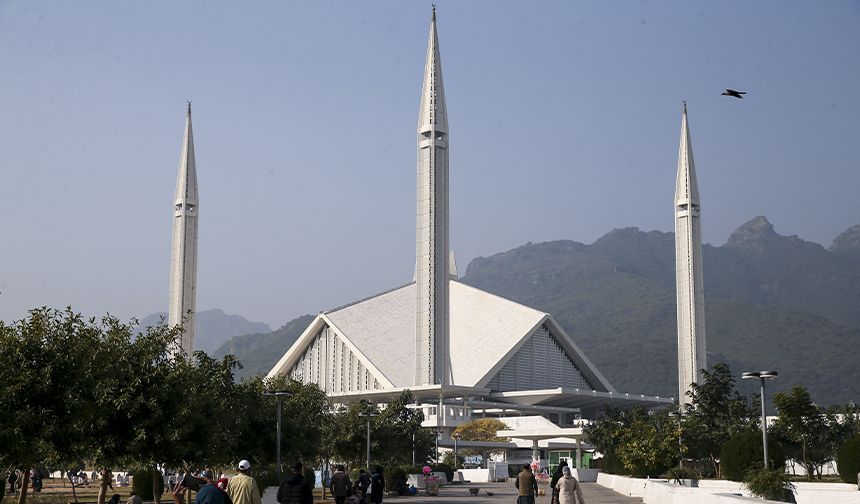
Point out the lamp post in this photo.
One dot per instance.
(679, 415)
(279, 395)
(368, 415)
(762, 376)
(456, 437)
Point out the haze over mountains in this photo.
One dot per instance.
(772, 302)
(213, 327)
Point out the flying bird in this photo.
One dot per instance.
(732, 92)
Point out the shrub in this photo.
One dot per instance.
(395, 475)
(742, 452)
(445, 468)
(141, 483)
(610, 463)
(770, 484)
(266, 477)
(848, 460)
(682, 473)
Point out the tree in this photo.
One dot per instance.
(482, 429)
(43, 376)
(397, 432)
(743, 452)
(810, 434)
(715, 413)
(644, 442)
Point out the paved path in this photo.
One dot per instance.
(506, 493)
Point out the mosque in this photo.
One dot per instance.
(462, 352)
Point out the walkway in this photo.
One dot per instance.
(506, 493)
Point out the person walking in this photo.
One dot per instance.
(555, 477)
(11, 479)
(377, 485)
(296, 489)
(527, 485)
(363, 485)
(340, 485)
(569, 489)
(242, 488)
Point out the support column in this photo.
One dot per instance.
(535, 449)
(578, 453)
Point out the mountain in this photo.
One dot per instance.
(771, 302)
(260, 351)
(213, 327)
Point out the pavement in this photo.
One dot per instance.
(505, 492)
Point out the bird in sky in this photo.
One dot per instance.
(732, 92)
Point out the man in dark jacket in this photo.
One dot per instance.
(377, 485)
(363, 485)
(340, 485)
(296, 489)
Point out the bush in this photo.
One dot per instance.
(682, 473)
(445, 468)
(770, 484)
(610, 463)
(393, 476)
(848, 460)
(742, 452)
(266, 477)
(141, 483)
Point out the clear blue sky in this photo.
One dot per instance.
(564, 118)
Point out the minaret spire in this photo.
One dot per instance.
(183, 259)
(432, 261)
(688, 268)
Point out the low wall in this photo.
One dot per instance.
(417, 480)
(653, 491)
(474, 475)
(585, 475)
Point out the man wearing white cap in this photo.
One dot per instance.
(242, 488)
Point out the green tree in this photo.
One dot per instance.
(645, 443)
(397, 431)
(716, 412)
(810, 433)
(482, 429)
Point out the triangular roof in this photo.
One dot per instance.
(486, 331)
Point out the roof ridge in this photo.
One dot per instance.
(347, 305)
(502, 298)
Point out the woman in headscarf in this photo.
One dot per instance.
(555, 477)
(569, 489)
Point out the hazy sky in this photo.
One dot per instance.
(564, 122)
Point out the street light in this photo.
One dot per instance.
(680, 416)
(369, 415)
(762, 376)
(456, 437)
(279, 395)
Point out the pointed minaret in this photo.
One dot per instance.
(431, 275)
(688, 269)
(183, 257)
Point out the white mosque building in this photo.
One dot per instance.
(461, 351)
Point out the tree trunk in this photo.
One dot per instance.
(25, 482)
(156, 484)
(104, 486)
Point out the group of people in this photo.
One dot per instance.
(241, 488)
(565, 488)
(367, 489)
(295, 488)
(15, 479)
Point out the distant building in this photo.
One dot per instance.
(688, 268)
